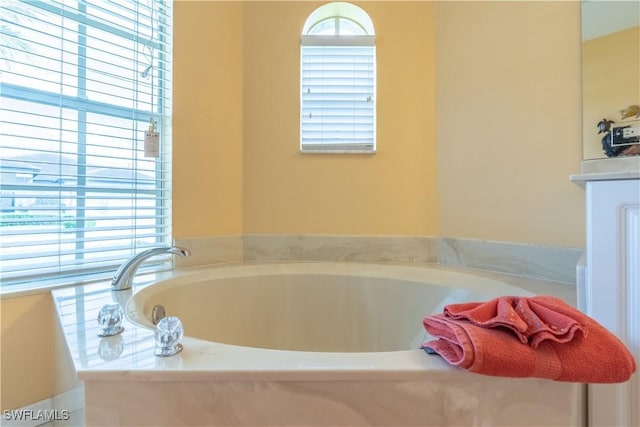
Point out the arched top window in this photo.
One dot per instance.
(338, 80)
(338, 18)
(337, 26)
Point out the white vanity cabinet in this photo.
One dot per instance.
(610, 292)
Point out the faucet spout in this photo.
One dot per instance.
(123, 279)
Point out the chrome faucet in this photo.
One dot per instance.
(123, 278)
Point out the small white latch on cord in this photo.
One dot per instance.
(152, 141)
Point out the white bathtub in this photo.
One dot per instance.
(321, 344)
(317, 307)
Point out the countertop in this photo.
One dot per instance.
(616, 168)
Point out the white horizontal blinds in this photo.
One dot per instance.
(80, 81)
(338, 91)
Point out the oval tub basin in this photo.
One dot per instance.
(312, 307)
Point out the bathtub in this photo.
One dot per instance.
(312, 307)
(313, 344)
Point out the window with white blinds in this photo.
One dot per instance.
(338, 81)
(80, 82)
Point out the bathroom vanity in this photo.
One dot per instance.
(609, 278)
(609, 284)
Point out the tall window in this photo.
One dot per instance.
(81, 81)
(338, 81)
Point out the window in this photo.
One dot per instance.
(81, 82)
(338, 81)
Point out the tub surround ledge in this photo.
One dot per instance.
(210, 250)
(399, 249)
(556, 264)
(539, 262)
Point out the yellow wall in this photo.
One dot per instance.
(391, 192)
(207, 118)
(509, 121)
(27, 350)
(611, 76)
(508, 125)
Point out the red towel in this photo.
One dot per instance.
(540, 336)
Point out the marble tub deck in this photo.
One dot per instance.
(203, 385)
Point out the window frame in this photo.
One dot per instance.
(364, 41)
(159, 194)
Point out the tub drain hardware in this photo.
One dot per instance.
(157, 313)
(168, 333)
(110, 320)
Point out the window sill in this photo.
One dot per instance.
(42, 286)
(336, 151)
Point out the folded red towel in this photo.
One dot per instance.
(529, 337)
(531, 319)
